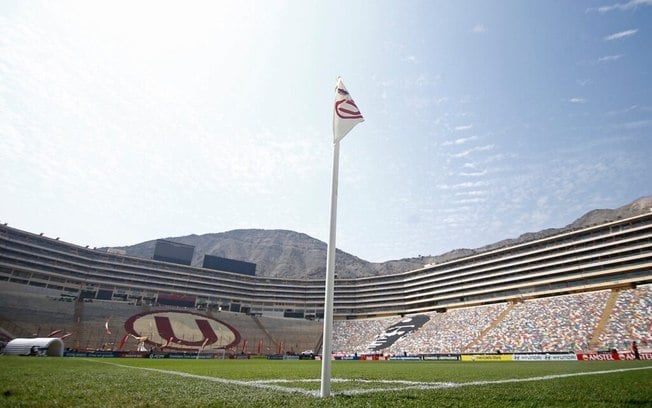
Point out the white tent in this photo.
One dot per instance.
(46, 346)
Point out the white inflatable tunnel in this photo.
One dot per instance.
(40, 346)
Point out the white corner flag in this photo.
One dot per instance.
(345, 114)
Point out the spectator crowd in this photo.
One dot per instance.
(549, 324)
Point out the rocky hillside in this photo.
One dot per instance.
(281, 253)
(591, 218)
(276, 253)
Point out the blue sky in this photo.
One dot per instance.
(122, 121)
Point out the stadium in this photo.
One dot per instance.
(583, 291)
(505, 326)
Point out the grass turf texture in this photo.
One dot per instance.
(52, 382)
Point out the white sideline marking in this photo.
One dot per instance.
(433, 386)
(255, 384)
(404, 384)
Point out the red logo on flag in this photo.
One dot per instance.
(347, 109)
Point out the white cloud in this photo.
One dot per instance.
(630, 5)
(632, 108)
(463, 127)
(474, 174)
(427, 80)
(609, 58)
(479, 28)
(471, 200)
(459, 141)
(460, 186)
(469, 151)
(472, 193)
(621, 34)
(577, 100)
(636, 124)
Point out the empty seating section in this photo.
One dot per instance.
(28, 311)
(296, 335)
(96, 313)
(553, 324)
(631, 319)
(91, 332)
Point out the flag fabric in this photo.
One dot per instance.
(345, 113)
(106, 327)
(167, 343)
(122, 342)
(54, 333)
(203, 345)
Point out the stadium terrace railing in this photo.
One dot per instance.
(617, 253)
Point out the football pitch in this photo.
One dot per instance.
(72, 382)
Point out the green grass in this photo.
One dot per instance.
(58, 382)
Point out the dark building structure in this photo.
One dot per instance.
(229, 265)
(174, 252)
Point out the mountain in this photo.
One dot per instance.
(289, 254)
(276, 253)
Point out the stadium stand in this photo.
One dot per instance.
(449, 332)
(354, 336)
(34, 312)
(630, 320)
(37, 312)
(581, 289)
(554, 324)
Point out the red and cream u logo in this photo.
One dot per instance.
(182, 330)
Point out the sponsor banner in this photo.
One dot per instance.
(611, 356)
(112, 354)
(158, 355)
(133, 355)
(544, 357)
(597, 356)
(630, 356)
(97, 354)
(448, 357)
(353, 357)
(186, 356)
(486, 357)
(281, 357)
(191, 356)
(405, 358)
(372, 357)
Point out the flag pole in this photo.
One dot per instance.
(330, 282)
(345, 116)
